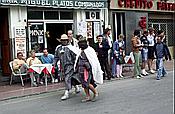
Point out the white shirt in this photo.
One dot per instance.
(150, 40)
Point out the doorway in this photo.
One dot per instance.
(54, 32)
(4, 42)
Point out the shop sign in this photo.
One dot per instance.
(142, 22)
(148, 5)
(20, 40)
(82, 4)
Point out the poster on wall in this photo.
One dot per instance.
(82, 28)
(89, 30)
(20, 40)
(97, 30)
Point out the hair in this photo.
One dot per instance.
(136, 32)
(19, 53)
(106, 30)
(70, 30)
(99, 36)
(30, 52)
(159, 32)
(145, 32)
(79, 36)
(121, 36)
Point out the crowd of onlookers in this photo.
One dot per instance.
(146, 46)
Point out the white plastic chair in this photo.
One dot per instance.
(15, 74)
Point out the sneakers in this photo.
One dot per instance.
(56, 80)
(121, 76)
(152, 71)
(77, 89)
(95, 97)
(34, 84)
(141, 76)
(138, 77)
(65, 96)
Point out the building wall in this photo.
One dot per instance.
(17, 17)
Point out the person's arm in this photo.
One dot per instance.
(167, 52)
(56, 57)
(15, 65)
(42, 59)
(135, 44)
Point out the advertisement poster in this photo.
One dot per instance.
(82, 28)
(96, 30)
(20, 40)
(89, 30)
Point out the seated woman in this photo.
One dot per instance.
(30, 61)
(19, 64)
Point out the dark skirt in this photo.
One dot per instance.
(150, 52)
(85, 81)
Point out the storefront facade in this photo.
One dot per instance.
(128, 15)
(38, 24)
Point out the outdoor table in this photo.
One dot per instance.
(45, 68)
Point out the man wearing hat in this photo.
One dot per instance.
(66, 53)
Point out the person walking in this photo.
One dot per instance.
(118, 56)
(89, 69)
(161, 50)
(66, 53)
(136, 45)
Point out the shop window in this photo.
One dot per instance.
(93, 15)
(87, 15)
(66, 15)
(35, 15)
(51, 15)
(37, 37)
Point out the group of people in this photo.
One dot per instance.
(21, 65)
(146, 47)
(79, 63)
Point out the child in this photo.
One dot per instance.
(161, 50)
(118, 56)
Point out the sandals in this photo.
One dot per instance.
(86, 99)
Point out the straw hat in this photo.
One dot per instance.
(64, 37)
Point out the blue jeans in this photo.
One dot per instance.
(161, 70)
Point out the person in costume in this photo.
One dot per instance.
(66, 53)
(89, 69)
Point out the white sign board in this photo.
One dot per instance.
(20, 40)
(82, 28)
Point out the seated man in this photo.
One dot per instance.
(30, 61)
(47, 58)
(19, 64)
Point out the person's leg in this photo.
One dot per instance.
(114, 68)
(68, 87)
(102, 68)
(118, 70)
(107, 69)
(159, 69)
(136, 64)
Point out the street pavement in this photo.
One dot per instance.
(127, 96)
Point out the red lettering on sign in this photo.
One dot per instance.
(120, 3)
(142, 22)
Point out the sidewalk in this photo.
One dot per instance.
(16, 90)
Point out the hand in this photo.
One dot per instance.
(100, 46)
